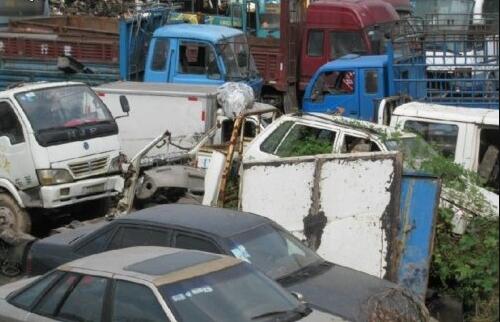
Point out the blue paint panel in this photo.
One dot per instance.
(418, 213)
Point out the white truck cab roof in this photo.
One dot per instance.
(34, 86)
(448, 113)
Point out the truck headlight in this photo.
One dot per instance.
(50, 177)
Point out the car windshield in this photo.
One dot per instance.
(273, 251)
(65, 113)
(415, 151)
(237, 59)
(238, 293)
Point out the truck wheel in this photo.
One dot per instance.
(12, 216)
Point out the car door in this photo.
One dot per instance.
(16, 162)
(129, 235)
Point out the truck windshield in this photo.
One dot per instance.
(64, 114)
(233, 294)
(273, 251)
(237, 59)
(346, 42)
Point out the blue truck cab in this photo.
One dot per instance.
(356, 85)
(201, 55)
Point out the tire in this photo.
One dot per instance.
(12, 216)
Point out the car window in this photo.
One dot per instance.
(190, 242)
(199, 59)
(139, 236)
(371, 81)
(315, 43)
(26, 299)
(85, 302)
(333, 83)
(441, 136)
(305, 140)
(489, 151)
(50, 302)
(97, 244)
(273, 140)
(160, 53)
(134, 302)
(10, 126)
(352, 144)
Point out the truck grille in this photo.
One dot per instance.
(89, 168)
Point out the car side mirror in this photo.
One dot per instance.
(124, 104)
(298, 296)
(5, 141)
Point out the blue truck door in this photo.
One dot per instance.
(371, 92)
(418, 213)
(158, 61)
(334, 90)
(196, 62)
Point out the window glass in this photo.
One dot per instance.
(334, 83)
(160, 55)
(132, 236)
(190, 242)
(315, 43)
(273, 140)
(85, 303)
(344, 43)
(305, 140)
(488, 158)
(27, 298)
(9, 124)
(198, 59)
(354, 144)
(51, 300)
(371, 82)
(134, 302)
(442, 136)
(97, 244)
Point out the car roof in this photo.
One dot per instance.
(158, 265)
(215, 221)
(211, 33)
(353, 61)
(27, 87)
(368, 128)
(449, 113)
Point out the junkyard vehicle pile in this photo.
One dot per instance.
(253, 161)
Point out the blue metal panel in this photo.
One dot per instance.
(418, 213)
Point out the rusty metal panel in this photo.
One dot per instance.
(345, 206)
(418, 212)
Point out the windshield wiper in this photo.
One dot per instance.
(302, 310)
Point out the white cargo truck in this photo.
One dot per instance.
(58, 148)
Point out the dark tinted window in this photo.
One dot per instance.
(9, 124)
(133, 302)
(27, 298)
(85, 303)
(371, 81)
(315, 43)
(160, 55)
(134, 236)
(273, 140)
(51, 300)
(190, 242)
(442, 137)
(97, 244)
(489, 152)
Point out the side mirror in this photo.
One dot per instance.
(298, 296)
(125, 104)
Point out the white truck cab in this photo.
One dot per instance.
(58, 147)
(467, 135)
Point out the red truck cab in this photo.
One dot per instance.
(334, 28)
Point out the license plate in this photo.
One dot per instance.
(94, 189)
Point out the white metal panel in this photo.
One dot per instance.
(282, 193)
(355, 193)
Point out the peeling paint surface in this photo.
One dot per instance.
(355, 195)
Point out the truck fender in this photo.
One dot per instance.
(11, 189)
